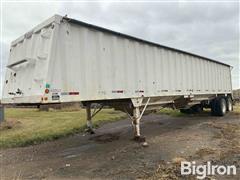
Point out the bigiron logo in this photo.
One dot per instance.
(201, 171)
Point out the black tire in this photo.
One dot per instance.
(220, 106)
(197, 108)
(229, 104)
(213, 107)
(185, 111)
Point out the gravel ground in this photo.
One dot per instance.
(112, 154)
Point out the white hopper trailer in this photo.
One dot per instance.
(65, 60)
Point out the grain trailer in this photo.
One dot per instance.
(65, 60)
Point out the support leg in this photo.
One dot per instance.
(136, 125)
(1, 113)
(89, 119)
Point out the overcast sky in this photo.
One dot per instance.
(207, 29)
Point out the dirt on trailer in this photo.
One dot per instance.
(112, 154)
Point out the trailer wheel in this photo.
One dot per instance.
(185, 111)
(229, 104)
(220, 106)
(197, 108)
(194, 109)
(213, 107)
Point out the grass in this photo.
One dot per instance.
(31, 126)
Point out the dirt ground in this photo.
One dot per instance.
(112, 154)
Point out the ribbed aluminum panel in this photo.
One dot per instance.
(103, 66)
(83, 63)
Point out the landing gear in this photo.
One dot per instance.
(89, 120)
(90, 115)
(137, 115)
(133, 109)
(136, 122)
(136, 125)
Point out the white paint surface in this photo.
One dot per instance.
(100, 65)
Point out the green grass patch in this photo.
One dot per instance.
(25, 126)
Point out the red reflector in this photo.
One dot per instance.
(73, 93)
(46, 91)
